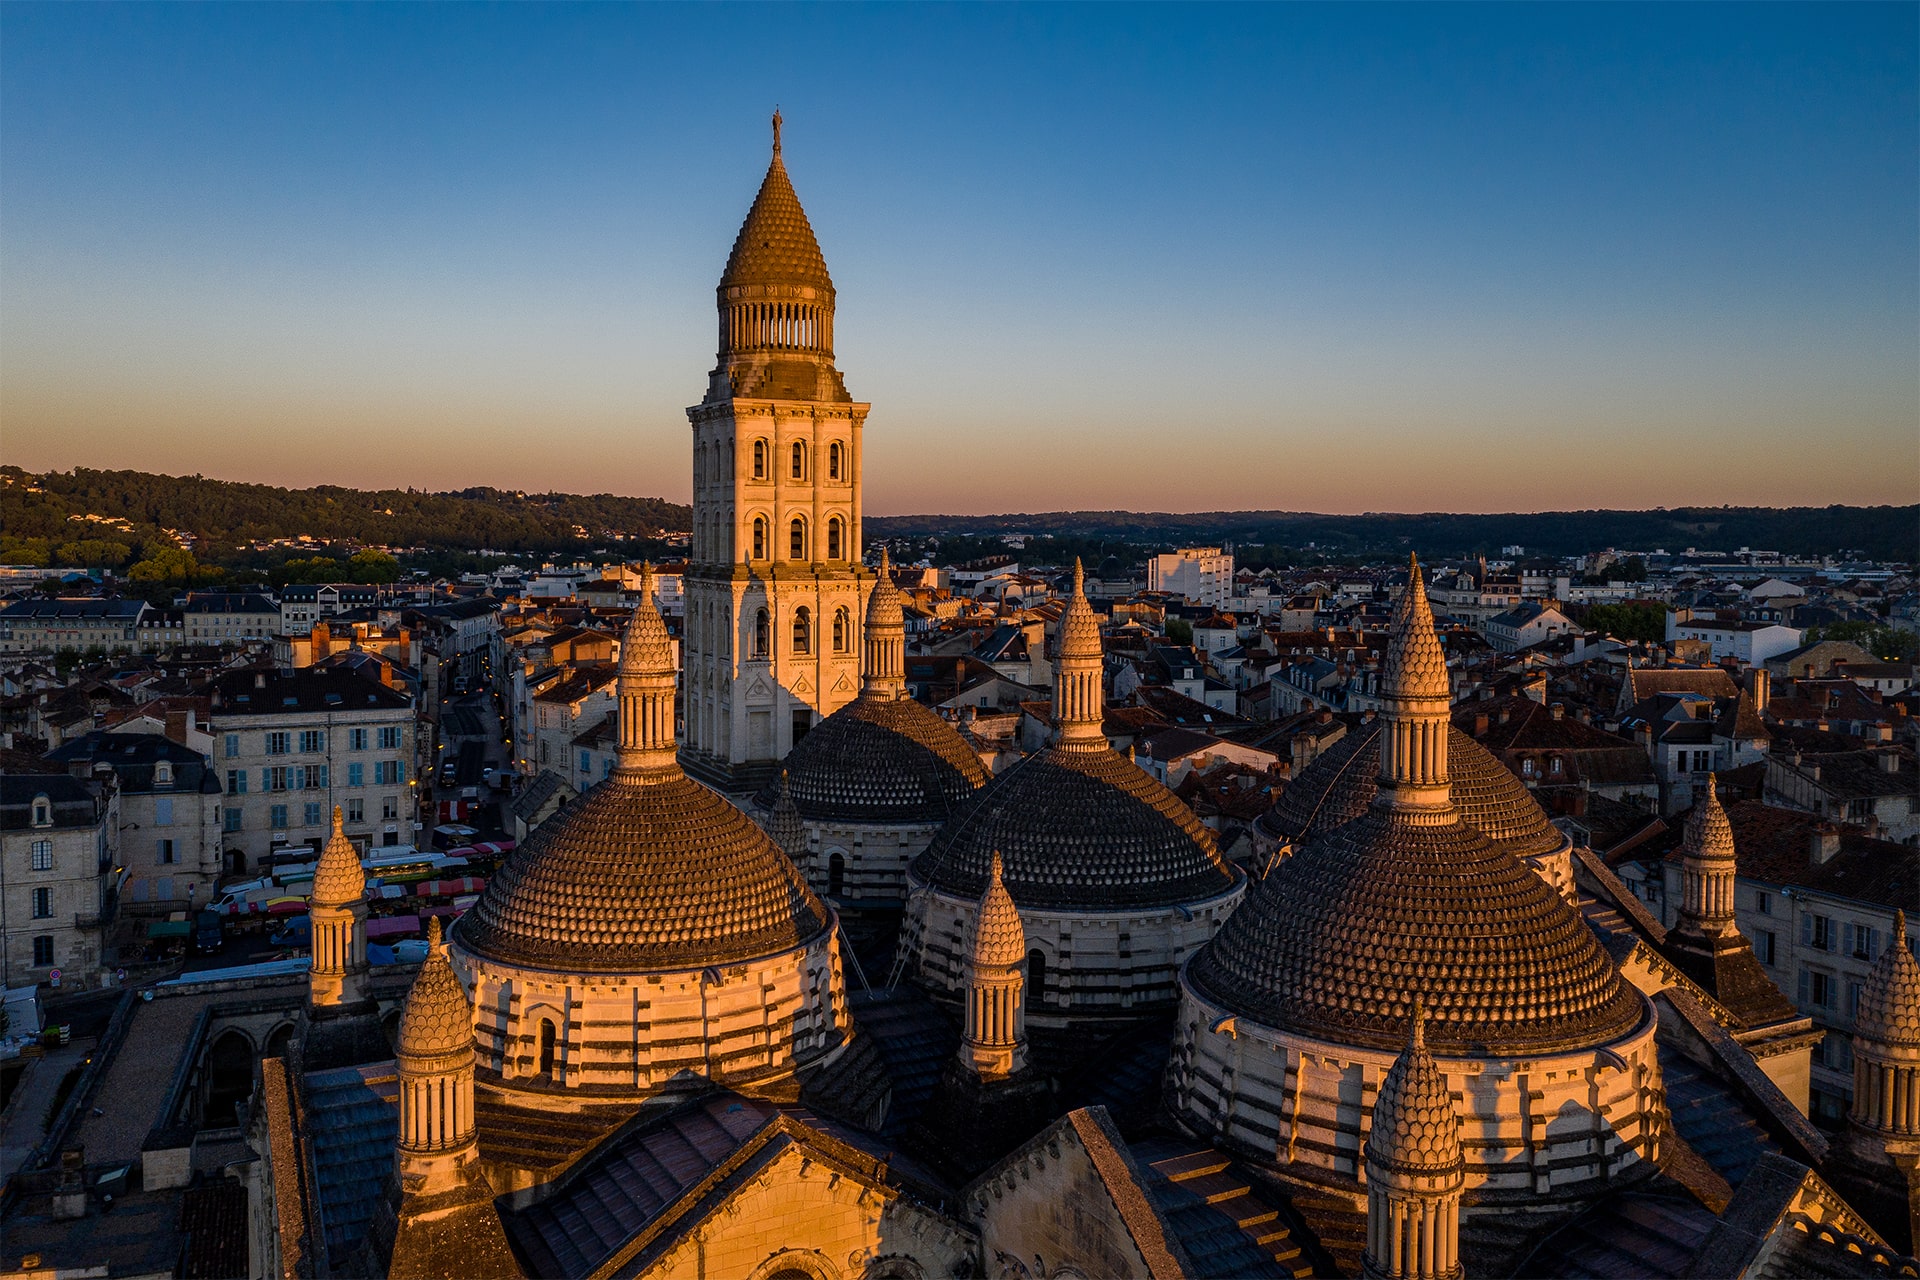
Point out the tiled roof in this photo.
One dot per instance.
(309, 689)
(1340, 784)
(776, 243)
(1078, 829)
(644, 871)
(880, 759)
(353, 1118)
(1342, 938)
(1774, 844)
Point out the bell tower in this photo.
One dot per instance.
(775, 585)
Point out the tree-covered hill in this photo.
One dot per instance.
(1883, 533)
(45, 513)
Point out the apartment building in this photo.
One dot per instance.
(56, 891)
(290, 745)
(169, 814)
(228, 617)
(1199, 575)
(51, 626)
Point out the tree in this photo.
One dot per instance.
(373, 566)
(171, 564)
(1628, 621)
(1889, 644)
(88, 552)
(1179, 630)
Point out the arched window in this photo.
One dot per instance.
(836, 875)
(759, 459)
(546, 1046)
(759, 536)
(799, 460)
(833, 461)
(42, 812)
(726, 632)
(833, 538)
(762, 634)
(797, 539)
(699, 465)
(1036, 977)
(841, 631)
(802, 630)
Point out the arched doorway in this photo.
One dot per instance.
(229, 1079)
(277, 1042)
(547, 1041)
(836, 875)
(1036, 977)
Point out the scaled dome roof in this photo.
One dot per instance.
(880, 760)
(1078, 830)
(1890, 1005)
(1341, 939)
(776, 243)
(436, 1020)
(645, 871)
(1414, 1127)
(1340, 784)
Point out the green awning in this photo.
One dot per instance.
(169, 929)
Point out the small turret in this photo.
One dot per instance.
(994, 1045)
(1079, 699)
(338, 912)
(1415, 1169)
(884, 673)
(645, 688)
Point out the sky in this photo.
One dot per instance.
(1339, 259)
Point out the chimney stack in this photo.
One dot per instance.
(1823, 843)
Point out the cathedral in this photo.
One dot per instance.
(1426, 1038)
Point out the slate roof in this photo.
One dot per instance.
(1773, 844)
(308, 689)
(134, 757)
(353, 1119)
(73, 802)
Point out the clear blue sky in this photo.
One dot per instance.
(1343, 258)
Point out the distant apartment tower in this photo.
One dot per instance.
(1202, 575)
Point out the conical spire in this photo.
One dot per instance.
(1415, 1128)
(785, 825)
(1889, 1012)
(1418, 697)
(1079, 701)
(437, 1019)
(886, 638)
(999, 939)
(1709, 834)
(645, 687)
(776, 244)
(338, 879)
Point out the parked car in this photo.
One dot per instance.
(208, 935)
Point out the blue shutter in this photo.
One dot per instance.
(1805, 987)
(1846, 938)
(1806, 936)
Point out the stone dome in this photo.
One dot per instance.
(647, 870)
(1415, 1128)
(879, 760)
(1342, 938)
(437, 1019)
(1890, 1005)
(776, 243)
(1341, 783)
(338, 878)
(999, 939)
(1077, 829)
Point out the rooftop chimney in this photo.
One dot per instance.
(1558, 711)
(1823, 843)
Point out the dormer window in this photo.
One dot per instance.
(163, 774)
(42, 811)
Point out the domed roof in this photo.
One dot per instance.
(437, 1019)
(1341, 782)
(1341, 939)
(1709, 835)
(776, 244)
(999, 938)
(1415, 1128)
(338, 878)
(1890, 1006)
(644, 871)
(880, 760)
(1078, 829)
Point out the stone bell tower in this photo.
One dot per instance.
(775, 585)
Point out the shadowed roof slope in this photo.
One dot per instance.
(1078, 829)
(878, 760)
(1342, 780)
